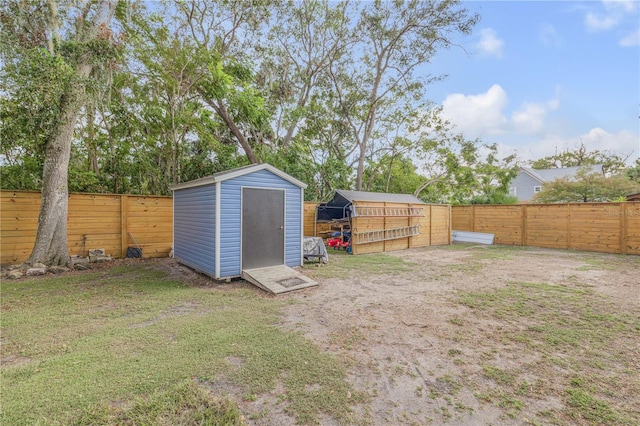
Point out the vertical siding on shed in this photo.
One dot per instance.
(194, 227)
(231, 218)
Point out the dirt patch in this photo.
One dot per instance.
(14, 361)
(426, 358)
(173, 311)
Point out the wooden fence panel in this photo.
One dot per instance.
(309, 218)
(503, 221)
(18, 225)
(600, 227)
(593, 228)
(547, 226)
(394, 222)
(462, 218)
(364, 224)
(440, 225)
(424, 238)
(94, 221)
(150, 221)
(631, 217)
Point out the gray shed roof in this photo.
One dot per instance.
(379, 197)
(240, 171)
(548, 175)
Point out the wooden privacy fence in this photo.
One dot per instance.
(600, 227)
(105, 221)
(382, 226)
(95, 221)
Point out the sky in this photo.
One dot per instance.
(537, 77)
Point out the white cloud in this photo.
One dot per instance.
(624, 6)
(622, 143)
(632, 39)
(599, 23)
(549, 36)
(527, 129)
(529, 118)
(614, 13)
(483, 114)
(490, 44)
(477, 114)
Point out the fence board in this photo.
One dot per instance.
(601, 227)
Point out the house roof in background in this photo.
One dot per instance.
(379, 197)
(548, 175)
(240, 171)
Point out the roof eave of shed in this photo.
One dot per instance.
(222, 176)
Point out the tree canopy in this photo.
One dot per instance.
(587, 187)
(334, 93)
(581, 156)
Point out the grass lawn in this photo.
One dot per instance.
(456, 334)
(126, 345)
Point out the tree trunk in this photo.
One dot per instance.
(51, 246)
(360, 169)
(51, 239)
(222, 112)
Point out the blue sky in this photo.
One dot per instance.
(546, 75)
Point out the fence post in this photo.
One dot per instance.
(124, 204)
(623, 227)
(450, 223)
(568, 243)
(523, 231)
(430, 224)
(473, 218)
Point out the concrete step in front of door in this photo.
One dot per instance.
(277, 279)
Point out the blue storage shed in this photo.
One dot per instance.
(246, 218)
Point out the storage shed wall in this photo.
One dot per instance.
(231, 219)
(195, 227)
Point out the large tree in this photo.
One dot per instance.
(221, 36)
(581, 156)
(59, 47)
(587, 187)
(379, 80)
(327, 91)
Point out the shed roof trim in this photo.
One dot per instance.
(379, 197)
(240, 171)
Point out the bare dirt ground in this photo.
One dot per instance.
(468, 335)
(426, 357)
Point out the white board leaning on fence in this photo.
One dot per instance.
(472, 237)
